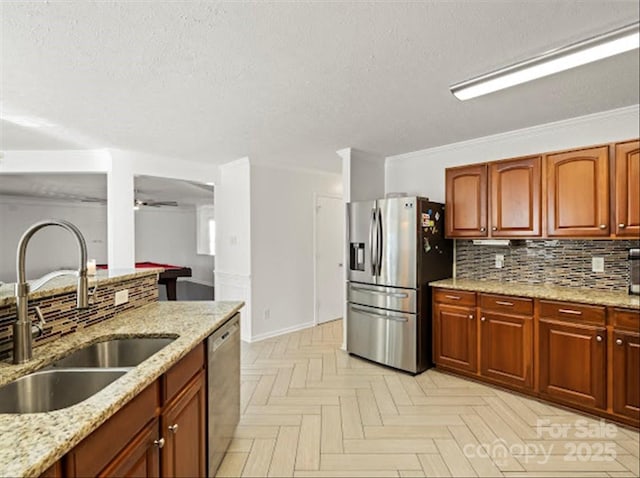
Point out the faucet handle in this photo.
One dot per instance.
(37, 328)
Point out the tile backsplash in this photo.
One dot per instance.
(555, 262)
(63, 318)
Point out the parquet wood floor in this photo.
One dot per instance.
(311, 410)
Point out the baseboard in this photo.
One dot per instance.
(275, 333)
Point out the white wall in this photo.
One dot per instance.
(50, 248)
(282, 263)
(233, 237)
(168, 235)
(422, 172)
(363, 175)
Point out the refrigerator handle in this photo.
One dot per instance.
(379, 242)
(372, 248)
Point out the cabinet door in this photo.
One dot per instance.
(456, 337)
(572, 362)
(140, 458)
(627, 189)
(515, 197)
(466, 201)
(506, 348)
(626, 370)
(183, 427)
(578, 193)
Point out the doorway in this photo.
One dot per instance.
(329, 257)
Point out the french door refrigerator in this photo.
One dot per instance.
(396, 247)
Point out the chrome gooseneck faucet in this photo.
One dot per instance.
(22, 332)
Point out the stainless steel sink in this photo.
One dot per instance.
(49, 390)
(126, 352)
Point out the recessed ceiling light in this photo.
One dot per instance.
(602, 46)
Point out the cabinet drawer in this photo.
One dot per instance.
(454, 297)
(626, 318)
(506, 304)
(96, 451)
(182, 372)
(573, 312)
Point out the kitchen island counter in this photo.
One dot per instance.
(31, 443)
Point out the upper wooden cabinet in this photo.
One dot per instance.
(466, 191)
(578, 193)
(627, 189)
(515, 197)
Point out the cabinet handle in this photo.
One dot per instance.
(483, 319)
(482, 229)
(470, 316)
(622, 225)
(603, 226)
(452, 297)
(618, 341)
(494, 228)
(504, 302)
(570, 311)
(159, 443)
(599, 338)
(173, 428)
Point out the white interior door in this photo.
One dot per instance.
(329, 257)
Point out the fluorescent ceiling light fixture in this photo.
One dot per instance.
(554, 61)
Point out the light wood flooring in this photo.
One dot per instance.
(309, 409)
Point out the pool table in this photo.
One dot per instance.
(168, 278)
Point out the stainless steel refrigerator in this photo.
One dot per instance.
(396, 247)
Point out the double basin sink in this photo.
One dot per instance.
(78, 376)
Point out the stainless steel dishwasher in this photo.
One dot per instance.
(223, 386)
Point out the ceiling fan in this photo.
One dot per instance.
(152, 203)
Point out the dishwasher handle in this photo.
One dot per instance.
(220, 341)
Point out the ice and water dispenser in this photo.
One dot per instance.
(356, 256)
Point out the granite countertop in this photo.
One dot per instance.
(32, 442)
(67, 283)
(540, 291)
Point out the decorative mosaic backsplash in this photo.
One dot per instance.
(62, 318)
(556, 262)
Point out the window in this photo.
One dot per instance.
(206, 230)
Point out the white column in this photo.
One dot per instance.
(120, 215)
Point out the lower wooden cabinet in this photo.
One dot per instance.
(183, 426)
(141, 457)
(626, 374)
(455, 337)
(572, 362)
(506, 348)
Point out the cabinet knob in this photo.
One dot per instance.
(483, 319)
(159, 443)
(599, 338)
(173, 428)
(622, 225)
(470, 316)
(603, 226)
(494, 228)
(482, 229)
(618, 341)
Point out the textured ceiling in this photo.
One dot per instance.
(93, 188)
(291, 82)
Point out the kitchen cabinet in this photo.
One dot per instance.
(572, 353)
(506, 339)
(466, 201)
(627, 189)
(578, 193)
(515, 198)
(160, 432)
(183, 426)
(455, 334)
(54, 471)
(140, 458)
(626, 373)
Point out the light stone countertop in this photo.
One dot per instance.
(33, 442)
(539, 291)
(67, 283)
